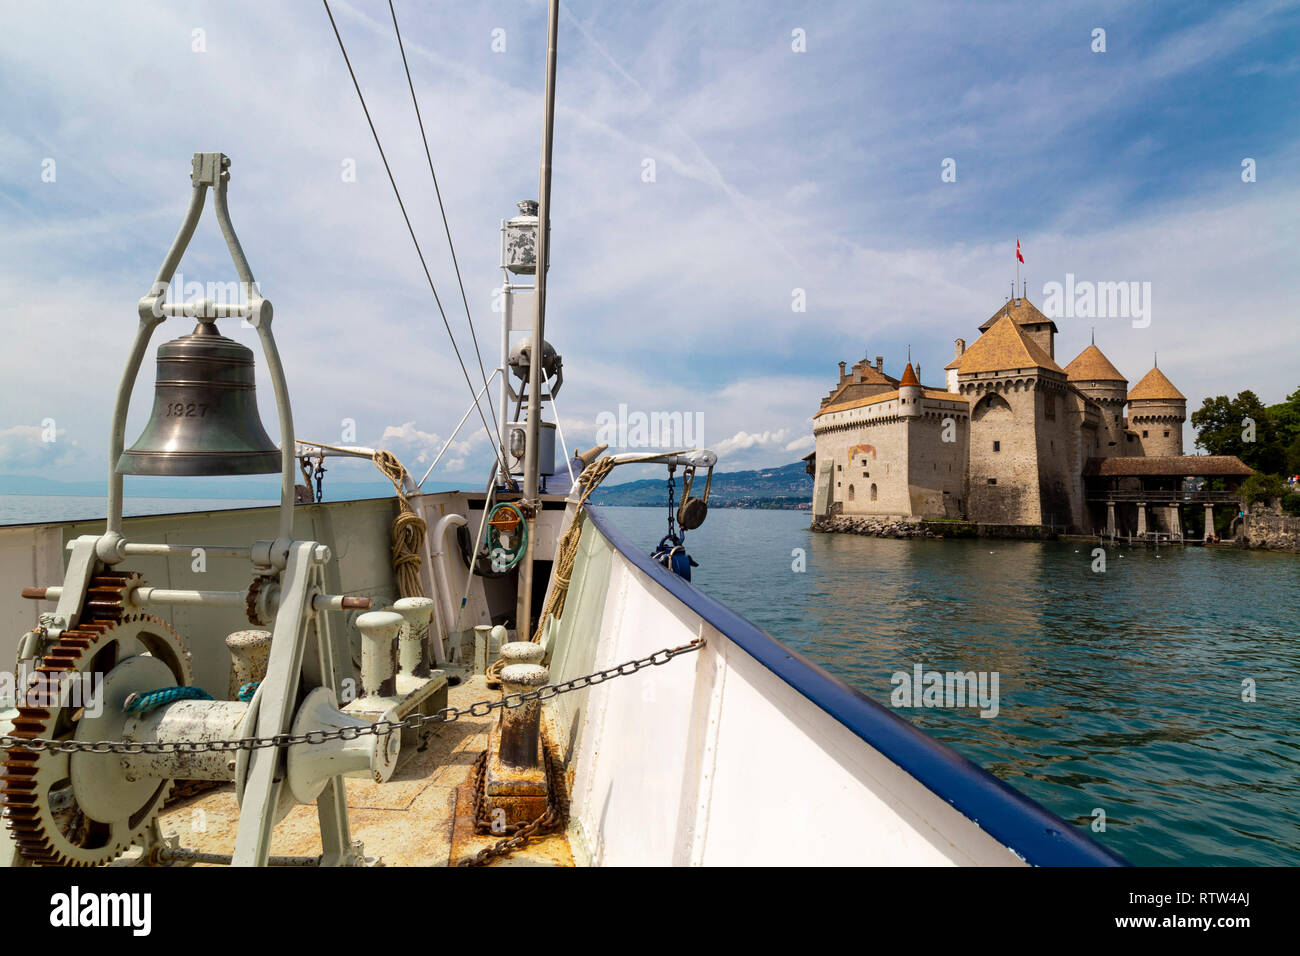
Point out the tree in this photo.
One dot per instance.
(1226, 426)
(1286, 421)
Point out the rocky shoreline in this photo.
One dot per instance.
(879, 527)
(1268, 529)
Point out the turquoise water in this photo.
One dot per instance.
(1119, 691)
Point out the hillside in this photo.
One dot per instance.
(786, 487)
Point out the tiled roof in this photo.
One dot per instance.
(936, 394)
(909, 376)
(1155, 387)
(873, 382)
(1002, 347)
(1022, 312)
(1091, 365)
(1169, 466)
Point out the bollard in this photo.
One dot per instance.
(379, 652)
(413, 643)
(487, 644)
(521, 726)
(522, 652)
(249, 652)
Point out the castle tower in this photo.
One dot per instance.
(1023, 460)
(1032, 324)
(1156, 411)
(1094, 375)
(909, 393)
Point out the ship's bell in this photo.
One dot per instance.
(204, 419)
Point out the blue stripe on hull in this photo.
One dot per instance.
(1038, 835)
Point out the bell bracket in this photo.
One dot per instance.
(210, 171)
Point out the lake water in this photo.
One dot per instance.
(1119, 691)
(28, 509)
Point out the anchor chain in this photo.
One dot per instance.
(482, 708)
(517, 835)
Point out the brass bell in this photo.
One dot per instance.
(205, 419)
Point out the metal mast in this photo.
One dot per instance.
(524, 623)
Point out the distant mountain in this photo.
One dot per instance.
(788, 486)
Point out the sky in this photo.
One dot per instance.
(871, 163)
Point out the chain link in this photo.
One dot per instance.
(481, 708)
(672, 488)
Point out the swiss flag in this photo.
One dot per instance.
(1018, 255)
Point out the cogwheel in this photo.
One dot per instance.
(40, 804)
(252, 601)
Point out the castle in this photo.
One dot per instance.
(1012, 439)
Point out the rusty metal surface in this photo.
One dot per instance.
(423, 816)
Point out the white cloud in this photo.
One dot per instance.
(40, 448)
(801, 444)
(774, 171)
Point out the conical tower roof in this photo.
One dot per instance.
(1155, 387)
(909, 377)
(1091, 365)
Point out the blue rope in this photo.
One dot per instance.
(247, 691)
(143, 703)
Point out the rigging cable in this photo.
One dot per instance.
(492, 436)
(469, 320)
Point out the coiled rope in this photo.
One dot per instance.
(143, 703)
(408, 529)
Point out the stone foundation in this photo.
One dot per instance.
(885, 526)
(1268, 529)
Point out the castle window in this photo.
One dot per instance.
(1049, 405)
(873, 492)
(866, 474)
(993, 481)
(1144, 433)
(850, 492)
(997, 446)
(1166, 434)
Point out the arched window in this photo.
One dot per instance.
(991, 404)
(850, 492)
(873, 492)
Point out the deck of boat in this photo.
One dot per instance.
(423, 816)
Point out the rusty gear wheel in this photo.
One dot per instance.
(46, 823)
(253, 608)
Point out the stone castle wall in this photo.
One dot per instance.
(1003, 451)
(866, 447)
(1159, 426)
(1057, 411)
(937, 468)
